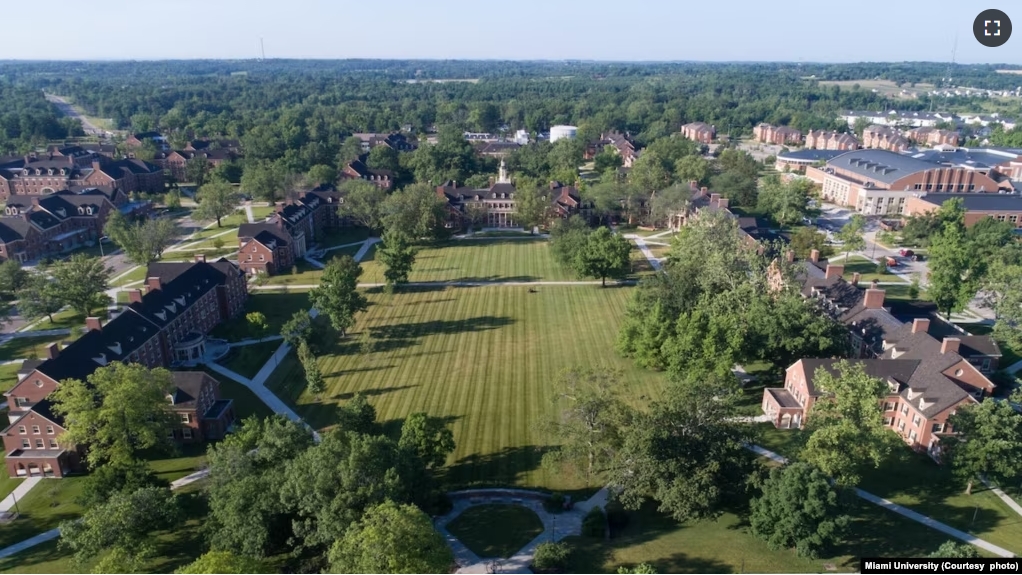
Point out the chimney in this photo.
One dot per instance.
(714, 198)
(95, 165)
(950, 345)
(789, 256)
(200, 258)
(722, 203)
(153, 283)
(920, 325)
(874, 299)
(278, 207)
(53, 350)
(93, 324)
(875, 284)
(855, 278)
(814, 256)
(692, 184)
(135, 296)
(834, 271)
(703, 190)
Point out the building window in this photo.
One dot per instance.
(186, 433)
(938, 428)
(25, 444)
(186, 418)
(39, 444)
(888, 406)
(904, 409)
(912, 436)
(35, 430)
(53, 444)
(916, 421)
(888, 420)
(901, 425)
(22, 430)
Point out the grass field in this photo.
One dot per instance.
(901, 292)
(247, 360)
(496, 530)
(43, 508)
(485, 358)
(7, 483)
(479, 260)
(309, 274)
(885, 87)
(27, 347)
(342, 236)
(136, 274)
(277, 307)
(866, 269)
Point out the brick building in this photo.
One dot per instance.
(884, 138)
(780, 135)
(799, 160)
(932, 137)
(358, 170)
(394, 140)
(164, 327)
(823, 140)
(46, 175)
(176, 161)
(699, 132)
(37, 226)
(273, 246)
(621, 143)
(1001, 207)
(930, 367)
(877, 182)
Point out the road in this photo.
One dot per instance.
(68, 110)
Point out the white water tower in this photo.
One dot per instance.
(561, 132)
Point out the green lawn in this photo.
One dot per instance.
(43, 508)
(867, 270)
(136, 274)
(7, 484)
(27, 347)
(247, 360)
(67, 319)
(277, 307)
(246, 402)
(901, 292)
(496, 530)
(260, 212)
(479, 260)
(485, 358)
(342, 236)
(309, 274)
(187, 460)
(8, 376)
(915, 481)
(728, 546)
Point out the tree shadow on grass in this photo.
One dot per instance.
(392, 337)
(392, 427)
(503, 468)
(369, 392)
(343, 372)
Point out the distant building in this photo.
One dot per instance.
(932, 137)
(823, 140)
(498, 149)
(798, 160)
(521, 137)
(779, 135)
(140, 139)
(699, 132)
(394, 140)
(358, 170)
(562, 132)
(622, 144)
(884, 138)
(37, 226)
(274, 245)
(897, 118)
(1001, 207)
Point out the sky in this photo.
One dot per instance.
(630, 30)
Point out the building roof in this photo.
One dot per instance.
(880, 165)
(978, 202)
(809, 155)
(162, 306)
(980, 158)
(187, 388)
(13, 228)
(114, 342)
(265, 233)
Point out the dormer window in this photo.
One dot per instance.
(923, 404)
(81, 210)
(116, 347)
(912, 394)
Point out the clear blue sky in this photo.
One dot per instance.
(762, 30)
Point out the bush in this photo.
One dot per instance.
(554, 503)
(881, 267)
(550, 556)
(595, 523)
(617, 517)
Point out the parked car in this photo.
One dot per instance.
(891, 262)
(907, 253)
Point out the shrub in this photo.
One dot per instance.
(595, 523)
(218, 243)
(881, 267)
(550, 556)
(617, 517)
(554, 503)
(294, 270)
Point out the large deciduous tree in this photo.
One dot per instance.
(845, 426)
(391, 538)
(217, 200)
(428, 438)
(12, 278)
(313, 376)
(121, 411)
(144, 241)
(786, 202)
(987, 441)
(952, 549)
(851, 235)
(954, 272)
(297, 329)
(415, 210)
(121, 528)
(604, 254)
(687, 453)
(357, 415)
(397, 256)
(337, 295)
(530, 208)
(799, 509)
(363, 203)
(223, 562)
(82, 282)
(1002, 292)
(40, 297)
(591, 422)
(264, 180)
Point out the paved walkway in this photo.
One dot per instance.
(19, 493)
(314, 262)
(4, 338)
(641, 242)
(253, 341)
(352, 244)
(361, 253)
(905, 511)
(555, 526)
(248, 212)
(454, 284)
(1004, 496)
(1013, 368)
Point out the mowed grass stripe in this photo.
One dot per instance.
(486, 357)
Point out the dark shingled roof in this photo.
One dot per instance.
(13, 228)
(115, 342)
(809, 155)
(163, 306)
(989, 202)
(880, 165)
(188, 387)
(264, 233)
